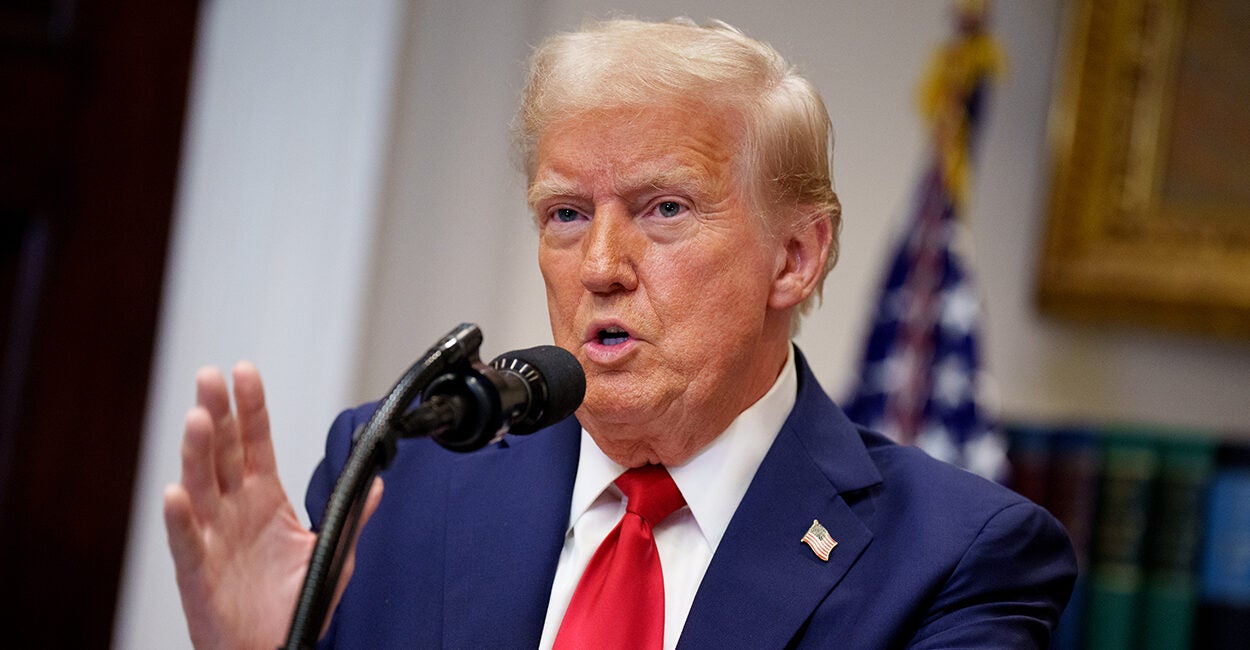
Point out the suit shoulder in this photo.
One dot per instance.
(936, 490)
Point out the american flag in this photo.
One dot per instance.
(920, 378)
(818, 538)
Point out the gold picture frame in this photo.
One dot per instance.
(1149, 219)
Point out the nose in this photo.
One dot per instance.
(610, 252)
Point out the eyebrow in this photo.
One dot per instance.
(684, 179)
(550, 185)
(657, 177)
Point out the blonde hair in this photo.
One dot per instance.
(786, 141)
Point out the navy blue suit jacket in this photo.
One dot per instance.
(462, 551)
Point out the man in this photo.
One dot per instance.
(679, 178)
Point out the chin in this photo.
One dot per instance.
(610, 408)
(618, 403)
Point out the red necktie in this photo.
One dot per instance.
(619, 602)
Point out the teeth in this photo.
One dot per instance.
(613, 335)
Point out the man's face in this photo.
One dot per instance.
(658, 279)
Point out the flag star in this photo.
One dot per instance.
(986, 454)
(959, 309)
(952, 384)
(936, 441)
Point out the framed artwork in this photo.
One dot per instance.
(1149, 219)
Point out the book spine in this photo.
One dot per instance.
(1178, 514)
(1116, 575)
(1072, 497)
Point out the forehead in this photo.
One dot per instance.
(626, 149)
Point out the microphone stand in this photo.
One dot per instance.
(374, 447)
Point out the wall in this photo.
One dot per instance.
(286, 124)
(296, 173)
(1055, 371)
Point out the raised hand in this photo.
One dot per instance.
(239, 549)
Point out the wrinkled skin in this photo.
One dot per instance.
(676, 300)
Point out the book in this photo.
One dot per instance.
(1117, 572)
(1072, 497)
(1223, 616)
(1177, 517)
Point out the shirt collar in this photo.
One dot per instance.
(714, 480)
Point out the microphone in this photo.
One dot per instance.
(520, 392)
(464, 405)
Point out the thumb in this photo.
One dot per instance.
(349, 562)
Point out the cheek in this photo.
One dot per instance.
(552, 270)
(724, 280)
(559, 273)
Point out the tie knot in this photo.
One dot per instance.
(651, 492)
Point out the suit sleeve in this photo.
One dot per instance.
(338, 446)
(1008, 589)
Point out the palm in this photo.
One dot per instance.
(239, 550)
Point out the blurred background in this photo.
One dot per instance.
(327, 188)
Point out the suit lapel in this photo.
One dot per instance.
(763, 582)
(507, 515)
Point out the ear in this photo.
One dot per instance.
(800, 264)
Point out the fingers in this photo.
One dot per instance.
(227, 450)
(199, 474)
(253, 419)
(371, 504)
(183, 534)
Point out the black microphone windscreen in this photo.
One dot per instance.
(561, 373)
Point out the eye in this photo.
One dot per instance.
(565, 215)
(669, 209)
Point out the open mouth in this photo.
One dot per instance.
(612, 336)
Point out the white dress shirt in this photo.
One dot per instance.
(713, 483)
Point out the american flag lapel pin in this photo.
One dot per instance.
(819, 540)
